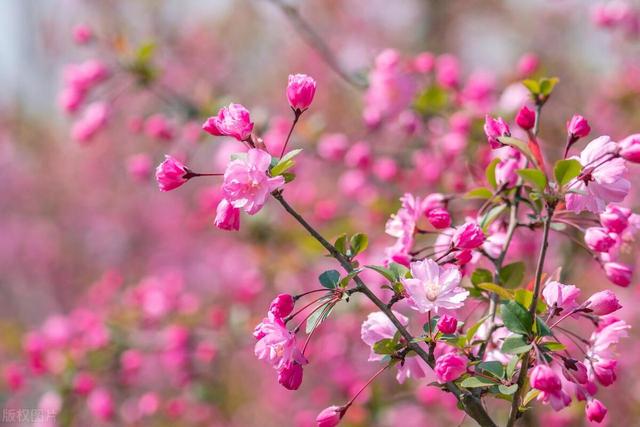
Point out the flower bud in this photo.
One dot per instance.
(233, 120)
(282, 305)
(329, 417)
(630, 148)
(100, 404)
(227, 217)
(561, 296)
(595, 410)
(526, 118)
(447, 324)
(543, 378)
(450, 367)
(83, 383)
(468, 236)
(424, 62)
(605, 371)
(598, 239)
(619, 274)
(439, 218)
(170, 174)
(463, 257)
(290, 376)
(576, 372)
(578, 127)
(615, 218)
(300, 91)
(82, 34)
(603, 303)
(528, 64)
(495, 128)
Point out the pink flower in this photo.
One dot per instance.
(598, 239)
(602, 180)
(528, 64)
(290, 376)
(450, 367)
(140, 166)
(82, 34)
(92, 121)
(578, 127)
(227, 216)
(433, 287)
(83, 383)
(447, 324)
(158, 127)
(619, 274)
(603, 303)
(359, 155)
(495, 128)
(595, 411)
(468, 236)
(101, 404)
(70, 99)
(439, 218)
(171, 174)
(543, 378)
(630, 148)
(300, 91)
(576, 373)
(605, 371)
(424, 62)
(615, 218)
(607, 336)
(282, 306)
(526, 118)
(246, 183)
(506, 170)
(276, 344)
(330, 417)
(333, 146)
(377, 327)
(448, 71)
(233, 120)
(560, 296)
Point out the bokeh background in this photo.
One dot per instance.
(103, 275)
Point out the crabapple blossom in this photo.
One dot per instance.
(578, 127)
(234, 121)
(439, 218)
(618, 273)
(526, 118)
(615, 218)
(449, 367)
(595, 410)
(93, 119)
(282, 306)
(603, 303)
(598, 239)
(447, 324)
(468, 236)
(227, 216)
(433, 287)
(494, 129)
(246, 183)
(630, 148)
(300, 91)
(276, 344)
(330, 417)
(543, 378)
(560, 296)
(171, 174)
(290, 376)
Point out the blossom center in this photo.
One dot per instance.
(432, 290)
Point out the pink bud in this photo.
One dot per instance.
(282, 305)
(290, 376)
(82, 34)
(526, 118)
(495, 128)
(615, 218)
(595, 410)
(333, 146)
(359, 155)
(543, 378)
(170, 174)
(598, 239)
(447, 324)
(424, 62)
(71, 98)
(300, 91)
(140, 166)
(330, 417)
(619, 274)
(100, 404)
(630, 148)
(578, 375)
(605, 371)
(227, 217)
(158, 127)
(233, 120)
(450, 367)
(83, 383)
(578, 127)
(93, 119)
(385, 168)
(463, 257)
(528, 64)
(448, 71)
(468, 236)
(603, 303)
(439, 218)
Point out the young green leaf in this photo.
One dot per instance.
(492, 367)
(479, 193)
(341, 244)
(481, 275)
(285, 163)
(385, 346)
(565, 170)
(359, 243)
(511, 275)
(490, 173)
(329, 279)
(535, 177)
(496, 289)
(473, 382)
(515, 344)
(516, 318)
(388, 274)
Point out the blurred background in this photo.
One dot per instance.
(122, 305)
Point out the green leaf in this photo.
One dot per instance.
(490, 173)
(145, 52)
(318, 317)
(535, 177)
(515, 344)
(432, 100)
(385, 346)
(508, 389)
(481, 275)
(385, 272)
(344, 282)
(496, 289)
(473, 382)
(492, 367)
(341, 244)
(511, 367)
(359, 243)
(519, 145)
(399, 270)
(525, 298)
(454, 340)
(516, 318)
(547, 85)
(542, 329)
(285, 163)
(479, 193)
(565, 170)
(511, 275)
(532, 85)
(489, 217)
(288, 177)
(473, 329)
(553, 346)
(532, 394)
(329, 279)
(432, 324)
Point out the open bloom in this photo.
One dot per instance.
(170, 174)
(246, 183)
(233, 120)
(602, 179)
(276, 344)
(560, 296)
(449, 367)
(300, 91)
(433, 287)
